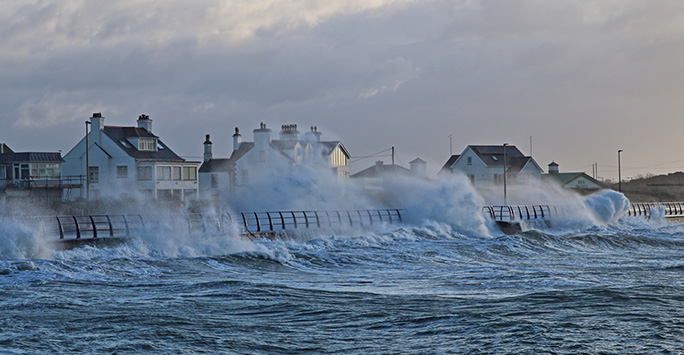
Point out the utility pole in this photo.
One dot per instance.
(504, 174)
(619, 172)
(451, 147)
(392, 155)
(87, 168)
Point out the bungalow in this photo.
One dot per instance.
(484, 164)
(125, 160)
(253, 163)
(577, 181)
(35, 175)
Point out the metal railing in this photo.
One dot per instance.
(521, 213)
(645, 209)
(251, 224)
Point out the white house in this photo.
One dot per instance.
(128, 161)
(254, 163)
(35, 175)
(374, 178)
(484, 164)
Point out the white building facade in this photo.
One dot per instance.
(127, 161)
(255, 163)
(484, 164)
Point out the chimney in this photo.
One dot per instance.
(207, 149)
(237, 139)
(553, 168)
(289, 132)
(145, 122)
(262, 136)
(378, 165)
(314, 135)
(96, 122)
(418, 167)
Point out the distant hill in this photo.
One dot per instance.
(659, 188)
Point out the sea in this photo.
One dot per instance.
(607, 286)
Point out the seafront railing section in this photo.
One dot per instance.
(645, 209)
(521, 213)
(250, 224)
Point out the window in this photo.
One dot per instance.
(121, 171)
(53, 170)
(2, 173)
(163, 173)
(146, 144)
(214, 180)
(189, 173)
(177, 170)
(93, 173)
(472, 178)
(470, 160)
(144, 173)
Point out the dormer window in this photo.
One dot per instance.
(147, 144)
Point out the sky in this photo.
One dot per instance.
(572, 81)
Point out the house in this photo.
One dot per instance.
(35, 175)
(484, 164)
(254, 163)
(128, 161)
(374, 178)
(576, 181)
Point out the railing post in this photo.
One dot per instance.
(294, 218)
(282, 219)
(258, 222)
(61, 228)
(329, 221)
(78, 228)
(360, 217)
(92, 222)
(270, 221)
(318, 221)
(111, 230)
(351, 224)
(306, 219)
(244, 221)
(399, 214)
(128, 232)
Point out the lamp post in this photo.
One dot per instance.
(504, 173)
(87, 167)
(619, 172)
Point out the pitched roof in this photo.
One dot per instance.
(381, 169)
(417, 160)
(4, 149)
(120, 136)
(566, 178)
(31, 157)
(216, 165)
(449, 163)
(492, 155)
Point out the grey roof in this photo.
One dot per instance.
(566, 178)
(449, 163)
(284, 144)
(31, 157)
(380, 170)
(216, 165)
(117, 134)
(417, 160)
(4, 149)
(492, 155)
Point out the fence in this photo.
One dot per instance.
(251, 224)
(645, 209)
(521, 213)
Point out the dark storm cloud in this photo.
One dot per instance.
(583, 78)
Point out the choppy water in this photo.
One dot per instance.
(614, 289)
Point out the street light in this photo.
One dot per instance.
(619, 172)
(87, 167)
(504, 173)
